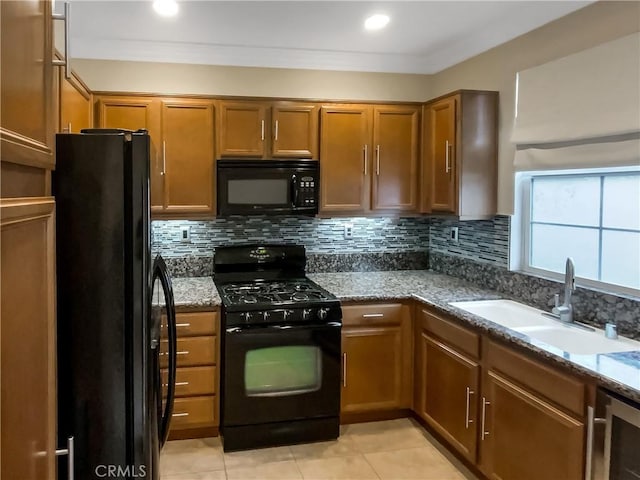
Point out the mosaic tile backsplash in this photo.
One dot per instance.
(485, 241)
(318, 235)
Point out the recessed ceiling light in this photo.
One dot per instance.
(166, 8)
(376, 22)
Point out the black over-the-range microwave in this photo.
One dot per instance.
(272, 187)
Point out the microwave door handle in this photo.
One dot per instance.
(294, 191)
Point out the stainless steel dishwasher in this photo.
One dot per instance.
(613, 439)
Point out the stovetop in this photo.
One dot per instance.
(264, 294)
(266, 284)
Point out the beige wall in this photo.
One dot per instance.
(107, 75)
(496, 69)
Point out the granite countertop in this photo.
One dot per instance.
(195, 292)
(619, 372)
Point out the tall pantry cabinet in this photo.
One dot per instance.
(27, 318)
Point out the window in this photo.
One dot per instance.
(592, 216)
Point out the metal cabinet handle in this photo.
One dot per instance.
(467, 420)
(592, 421)
(447, 166)
(164, 158)
(69, 451)
(276, 130)
(484, 433)
(184, 352)
(183, 324)
(372, 315)
(344, 369)
(177, 384)
(66, 63)
(365, 157)
(262, 129)
(378, 160)
(180, 414)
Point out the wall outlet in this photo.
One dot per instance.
(348, 230)
(185, 234)
(453, 234)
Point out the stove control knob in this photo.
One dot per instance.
(247, 317)
(265, 316)
(286, 314)
(323, 313)
(306, 314)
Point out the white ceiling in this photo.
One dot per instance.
(422, 37)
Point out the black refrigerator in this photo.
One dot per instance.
(115, 310)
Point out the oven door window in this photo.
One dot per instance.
(282, 371)
(258, 191)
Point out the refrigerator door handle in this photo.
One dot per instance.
(161, 273)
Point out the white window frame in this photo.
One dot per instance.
(520, 241)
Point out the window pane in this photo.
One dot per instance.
(621, 258)
(551, 245)
(277, 371)
(568, 200)
(621, 202)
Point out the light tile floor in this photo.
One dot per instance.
(390, 450)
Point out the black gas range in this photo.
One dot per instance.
(281, 347)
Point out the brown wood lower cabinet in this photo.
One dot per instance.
(194, 412)
(376, 355)
(513, 417)
(527, 438)
(196, 407)
(449, 393)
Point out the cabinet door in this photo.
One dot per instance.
(75, 105)
(395, 140)
(372, 369)
(27, 123)
(448, 394)
(187, 136)
(345, 158)
(294, 130)
(526, 438)
(133, 113)
(242, 129)
(28, 366)
(441, 164)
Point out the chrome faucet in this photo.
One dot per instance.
(564, 312)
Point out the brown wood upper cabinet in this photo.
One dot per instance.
(369, 158)
(188, 157)
(28, 123)
(75, 104)
(133, 113)
(267, 129)
(460, 155)
(182, 153)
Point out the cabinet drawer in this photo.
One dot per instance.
(194, 324)
(193, 412)
(455, 335)
(191, 381)
(383, 314)
(565, 390)
(192, 351)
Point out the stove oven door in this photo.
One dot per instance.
(279, 373)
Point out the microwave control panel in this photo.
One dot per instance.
(307, 193)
